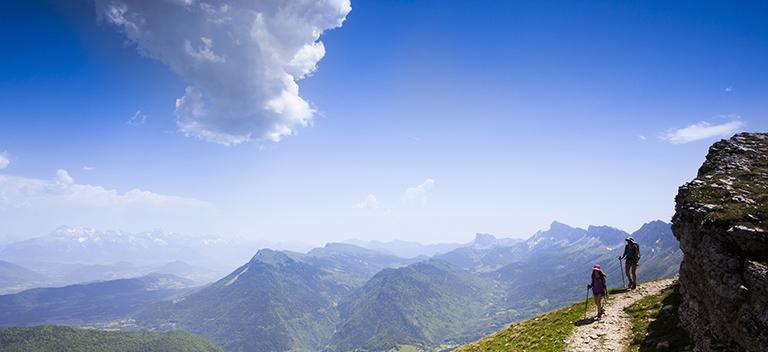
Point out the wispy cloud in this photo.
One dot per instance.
(22, 192)
(642, 137)
(419, 193)
(729, 89)
(89, 168)
(702, 130)
(243, 59)
(29, 205)
(137, 119)
(4, 160)
(369, 203)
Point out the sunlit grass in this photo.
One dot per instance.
(652, 325)
(546, 332)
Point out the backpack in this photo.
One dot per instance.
(636, 250)
(636, 247)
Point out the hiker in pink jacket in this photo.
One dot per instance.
(599, 288)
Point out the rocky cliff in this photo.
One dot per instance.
(721, 221)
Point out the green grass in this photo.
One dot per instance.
(727, 211)
(546, 332)
(652, 325)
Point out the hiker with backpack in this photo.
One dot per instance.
(632, 257)
(599, 288)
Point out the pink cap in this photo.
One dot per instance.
(596, 267)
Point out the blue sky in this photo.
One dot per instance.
(429, 121)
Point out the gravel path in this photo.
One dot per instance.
(611, 333)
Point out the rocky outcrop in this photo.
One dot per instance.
(721, 221)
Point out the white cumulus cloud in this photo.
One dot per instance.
(701, 130)
(4, 161)
(420, 192)
(241, 59)
(370, 203)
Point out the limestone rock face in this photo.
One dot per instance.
(721, 221)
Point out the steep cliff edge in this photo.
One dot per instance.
(721, 221)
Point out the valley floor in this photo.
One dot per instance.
(612, 332)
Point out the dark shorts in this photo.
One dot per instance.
(631, 262)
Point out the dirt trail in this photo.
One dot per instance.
(611, 333)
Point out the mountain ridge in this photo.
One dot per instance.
(368, 300)
(98, 303)
(343, 297)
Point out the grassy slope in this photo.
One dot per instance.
(60, 338)
(651, 324)
(546, 332)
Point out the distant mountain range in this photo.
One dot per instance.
(406, 249)
(346, 298)
(71, 255)
(16, 278)
(125, 270)
(341, 297)
(98, 303)
(564, 256)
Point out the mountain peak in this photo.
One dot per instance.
(487, 241)
(607, 235)
(655, 224)
(556, 225)
(655, 233)
(560, 228)
(73, 231)
(484, 238)
(269, 256)
(557, 232)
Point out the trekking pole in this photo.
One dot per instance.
(621, 264)
(586, 302)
